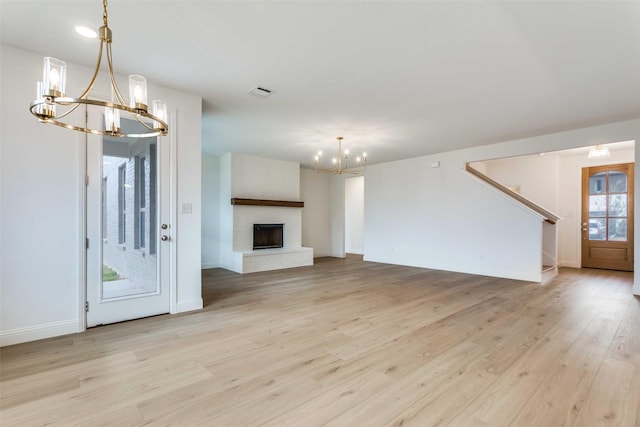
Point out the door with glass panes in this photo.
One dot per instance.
(128, 227)
(607, 217)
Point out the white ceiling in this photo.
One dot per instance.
(397, 79)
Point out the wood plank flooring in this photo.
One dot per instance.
(349, 343)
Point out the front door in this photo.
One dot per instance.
(128, 229)
(607, 217)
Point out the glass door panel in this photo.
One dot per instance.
(608, 206)
(129, 262)
(597, 183)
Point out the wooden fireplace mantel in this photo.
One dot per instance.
(260, 202)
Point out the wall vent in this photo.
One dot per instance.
(260, 92)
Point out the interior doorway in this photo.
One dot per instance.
(607, 217)
(354, 215)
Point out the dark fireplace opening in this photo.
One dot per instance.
(266, 236)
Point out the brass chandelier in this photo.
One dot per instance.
(340, 164)
(53, 106)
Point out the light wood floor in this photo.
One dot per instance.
(349, 343)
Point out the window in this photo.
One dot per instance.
(122, 211)
(142, 169)
(608, 213)
(153, 229)
(104, 207)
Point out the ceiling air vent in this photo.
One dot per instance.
(260, 92)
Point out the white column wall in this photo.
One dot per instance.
(336, 215)
(636, 286)
(210, 211)
(227, 259)
(261, 178)
(314, 192)
(354, 215)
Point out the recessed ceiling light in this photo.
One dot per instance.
(86, 31)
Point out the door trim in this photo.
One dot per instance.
(586, 244)
(82, 152)
(173, 213)
(173, 210)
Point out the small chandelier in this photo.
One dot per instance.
(598, 152)
(340, 164)
(53, 106)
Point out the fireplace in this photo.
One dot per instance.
(267, 236)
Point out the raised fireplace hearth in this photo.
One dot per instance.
(262, 192)
(268, 236)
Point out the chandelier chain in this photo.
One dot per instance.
(105, 14)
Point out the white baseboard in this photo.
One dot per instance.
(206, 265)
(38, 332)
(570, 264)
(189, 305)
(321, 255)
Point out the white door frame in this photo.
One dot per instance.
(171, 139)
(347, 223)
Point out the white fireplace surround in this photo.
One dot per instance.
(245, 216)
(292, 254)
(259, 179)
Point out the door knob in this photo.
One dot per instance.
(164, 238)
(164, 226)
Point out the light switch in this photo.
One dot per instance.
(187, 208)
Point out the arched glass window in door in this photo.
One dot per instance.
(608, 207)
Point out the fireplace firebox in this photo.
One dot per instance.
(268, 236)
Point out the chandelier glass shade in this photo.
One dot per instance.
(53, 106)
(340, 163)
(598, 152)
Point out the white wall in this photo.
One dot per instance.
(186, 133)
(210, 211)
(636, 277)
(41, 240)
(336, 215)
(354, 215)
(439, 218)
(41, 168)
(537, 177)
(325, 195)
(314, 192)
(261, 178)
(227, 259)
(444, 219)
